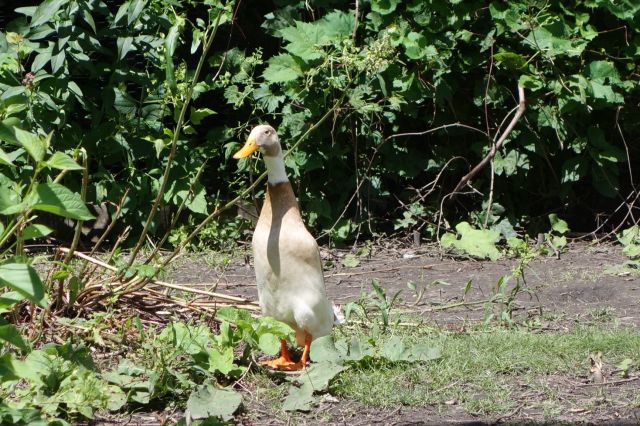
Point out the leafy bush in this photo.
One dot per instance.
(112, 80)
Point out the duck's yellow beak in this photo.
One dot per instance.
(249, 148)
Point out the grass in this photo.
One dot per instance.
(492, 371)
(483, 370)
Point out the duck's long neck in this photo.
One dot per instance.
(275, 168)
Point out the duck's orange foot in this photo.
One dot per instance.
(284, 364)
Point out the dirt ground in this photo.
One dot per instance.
(587, 284)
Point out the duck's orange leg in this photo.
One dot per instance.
(285, 362)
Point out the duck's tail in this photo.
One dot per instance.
(338, 315)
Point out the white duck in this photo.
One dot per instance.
(286, 257)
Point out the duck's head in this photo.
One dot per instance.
(262, 138)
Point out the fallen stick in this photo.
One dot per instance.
(165, 284)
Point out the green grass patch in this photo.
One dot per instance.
(480, 369)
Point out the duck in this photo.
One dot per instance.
(287, 262)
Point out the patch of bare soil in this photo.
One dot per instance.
(584, 286)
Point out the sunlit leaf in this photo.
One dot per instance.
(23, 279)
(59, 200)
(209, 401)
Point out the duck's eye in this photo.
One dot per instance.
(266, 132)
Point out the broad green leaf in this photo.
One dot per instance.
(31, 143)
(221, 360)
(384, 7)
(8, 373)
(422, 352)
(10, 202)
(59, 200)
(45, 11)
(557, 224)
(35, 231)
(475, 242)
(304, 40)
(393, 349)
(350, 261)
(602, 70)
(316, 378)
(122, 12)
(323, 349)
(8, 300)
(299, 399)
(123, 102)
(135, 8)
(233, 315)
(209, 401)
(9, 333)
(125, 45)
(629, 235)
(57, 61)
(61, 161)
(632, 251)
(5, 159)
(198, 114)
(510, 60)
(41, 59)
(269, 344)
(415, 45)
(282, 68)
(7, 130)
(23, 279)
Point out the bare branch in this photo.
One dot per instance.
(495, 146)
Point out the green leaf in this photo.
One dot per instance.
(304, 40)
(134, 11)
(61, 161)
(282, 68)
(45, 11)
(57, 199)
(124, 45)
(35, 231)
(8, 373)
(316, 378)
(5, 159)
(350, 261)
(10, 201)
(415, 45)
(8, 300)
(123, 102)
(41, 59)
(323, 349)
(9, 333)
(558, 225)
(221, 360)
(269, 344)
(198, 114)
(384, 7)
(208, 401)
(171, 39)
(629, 235)
(509, 60)
(7, 130)
(476, 242)
(298, 399)
(602, 70)
(31, 143)
(25, 280)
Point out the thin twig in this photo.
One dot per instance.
(495, 146)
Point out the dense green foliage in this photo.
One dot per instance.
(112, 79)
